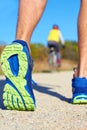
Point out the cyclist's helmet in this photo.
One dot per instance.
(55, 27)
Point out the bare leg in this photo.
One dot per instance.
(82, 39)
(20, 74)
(30, 12)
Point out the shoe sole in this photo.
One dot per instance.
(81, 99)
(15, 96)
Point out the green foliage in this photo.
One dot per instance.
(38, 51)
(70, 51)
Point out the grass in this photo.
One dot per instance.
(42, 66)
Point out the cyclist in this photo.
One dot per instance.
(54, 37)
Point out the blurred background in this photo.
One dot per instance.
(64, 13)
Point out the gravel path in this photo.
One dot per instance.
(54, 109)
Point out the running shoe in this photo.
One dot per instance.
(16, 64)
(79, 90)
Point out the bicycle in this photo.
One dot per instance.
(54, 58)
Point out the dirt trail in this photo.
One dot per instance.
(54, 110)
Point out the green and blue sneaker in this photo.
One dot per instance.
(16, 64)
(79, 88)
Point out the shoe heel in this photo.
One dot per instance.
(16, 96)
